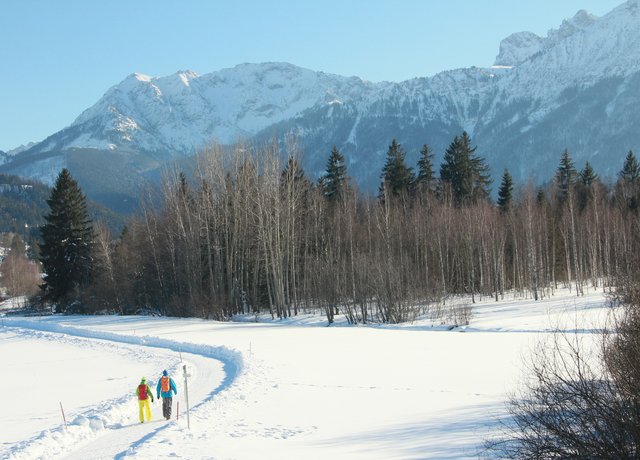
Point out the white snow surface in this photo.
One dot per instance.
(286, 389)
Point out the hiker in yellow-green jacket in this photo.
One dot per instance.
(144, 394)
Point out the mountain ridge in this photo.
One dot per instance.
(574, 88)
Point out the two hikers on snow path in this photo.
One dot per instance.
(166, 388)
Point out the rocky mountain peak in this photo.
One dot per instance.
(517, 48)
(576, 88)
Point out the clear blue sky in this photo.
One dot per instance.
(58, 58)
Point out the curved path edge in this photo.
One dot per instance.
(232, 361)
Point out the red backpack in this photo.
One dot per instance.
(142, 391)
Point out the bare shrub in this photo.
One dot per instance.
(580, 401)
(456, 313)
(460, 315)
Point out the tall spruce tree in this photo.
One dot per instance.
(425, 179)
(541, 197)
(397, 177)
(631, 169)
(505, 192)
(588, 176)
(67, 243)
(466, 173)
(628, 185)
(587, 180)
(566, 175)
(334, 180)
(293, 172)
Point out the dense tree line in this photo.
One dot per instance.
(248, 231)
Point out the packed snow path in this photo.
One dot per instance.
(92, 435)
(123, 440)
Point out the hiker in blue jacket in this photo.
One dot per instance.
(166, 386)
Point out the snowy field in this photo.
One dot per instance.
(292, 389)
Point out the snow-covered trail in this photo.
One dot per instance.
(44, 371)
(118, 433)
(206, 375)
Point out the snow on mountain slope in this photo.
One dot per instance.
(578, 92)
(576, 88)
(599, 49)
(519, 47)
(7, 156)
(182, 112)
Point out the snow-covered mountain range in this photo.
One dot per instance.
(577, 88)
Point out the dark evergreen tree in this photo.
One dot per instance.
(293, 172)
(466, 173)
(397, 177)
(184, 191)
(541, 197)
(294, 182)
(588, 176)
(67, 243)
(334, 180)
(631, 170)
(566, 175)
(587, 181)
(425, 180)
(505, 192)
(628, 185)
